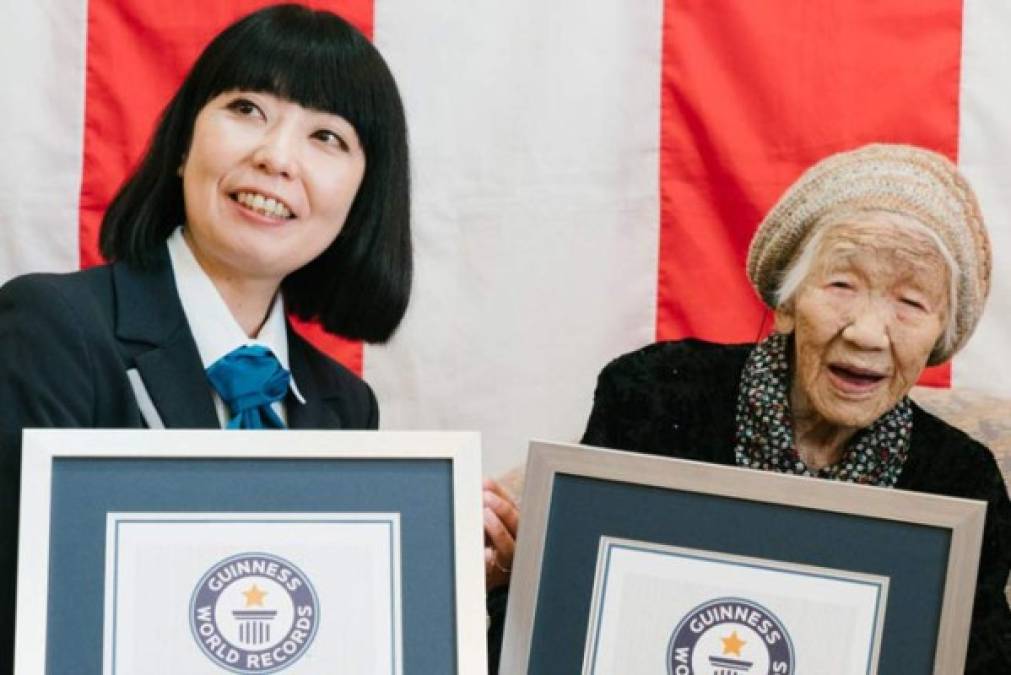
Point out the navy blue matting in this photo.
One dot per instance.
(914, 557)
(84, 490)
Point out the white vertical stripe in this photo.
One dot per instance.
(985, 157)
(534, 136)
(41, 137)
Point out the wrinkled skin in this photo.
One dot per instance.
(865, 321)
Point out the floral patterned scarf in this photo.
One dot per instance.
(874, 456)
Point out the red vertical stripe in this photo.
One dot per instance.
(753, 93)
(138, 54)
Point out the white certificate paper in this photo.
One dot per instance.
(292, 593)
(676, 611)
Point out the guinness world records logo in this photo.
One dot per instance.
(254, 613)
(730, 636)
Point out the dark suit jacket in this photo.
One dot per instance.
(66, 343)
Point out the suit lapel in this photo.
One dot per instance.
(178, 386)
(316, 412)
(150, 317)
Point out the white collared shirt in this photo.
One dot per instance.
(214, 329)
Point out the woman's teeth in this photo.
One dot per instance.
(267, 206)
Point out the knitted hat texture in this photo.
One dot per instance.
(902, 179)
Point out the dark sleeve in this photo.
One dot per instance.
(341, 390)
(674, 399)
(46, 371)
(358, 406)
(45, 381)
(496, 607)
(373, 409)
(602, 428)
(635, 393)
(990, 637)
(944, 460)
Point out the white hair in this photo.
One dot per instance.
(797, 271)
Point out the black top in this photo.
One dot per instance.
(678, 399)
(66, 344)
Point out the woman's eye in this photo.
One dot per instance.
(331, 138)
(243, 106)
(840, 284)
(914, 303)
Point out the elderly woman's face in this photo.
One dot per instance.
(267, 184)
(865, 321)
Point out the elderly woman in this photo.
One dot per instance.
(876, 264)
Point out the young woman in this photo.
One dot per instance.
(276, 182)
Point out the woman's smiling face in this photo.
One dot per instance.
(267, 184)
(865, 320)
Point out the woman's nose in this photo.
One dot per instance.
(868, 328)
(275, 155)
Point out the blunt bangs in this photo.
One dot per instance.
(360, 285)
(315, 59)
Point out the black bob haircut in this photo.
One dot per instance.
(359, 286)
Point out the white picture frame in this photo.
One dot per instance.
(93, 457)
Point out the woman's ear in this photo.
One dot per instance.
(783, 319)
(182, 166)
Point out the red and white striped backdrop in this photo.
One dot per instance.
(587, 174)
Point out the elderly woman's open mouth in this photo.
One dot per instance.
(854, 378)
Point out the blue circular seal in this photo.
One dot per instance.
(731, 636)
(254, 613)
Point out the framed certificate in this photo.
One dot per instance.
(629, 563)
(290, 552)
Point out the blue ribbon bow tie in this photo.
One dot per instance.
(249, 379)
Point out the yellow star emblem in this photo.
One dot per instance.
(254, 596)
(732, 644)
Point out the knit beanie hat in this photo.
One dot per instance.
(902, 179)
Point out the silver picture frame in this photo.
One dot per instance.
(602, 496)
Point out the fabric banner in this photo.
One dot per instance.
(586, 180)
